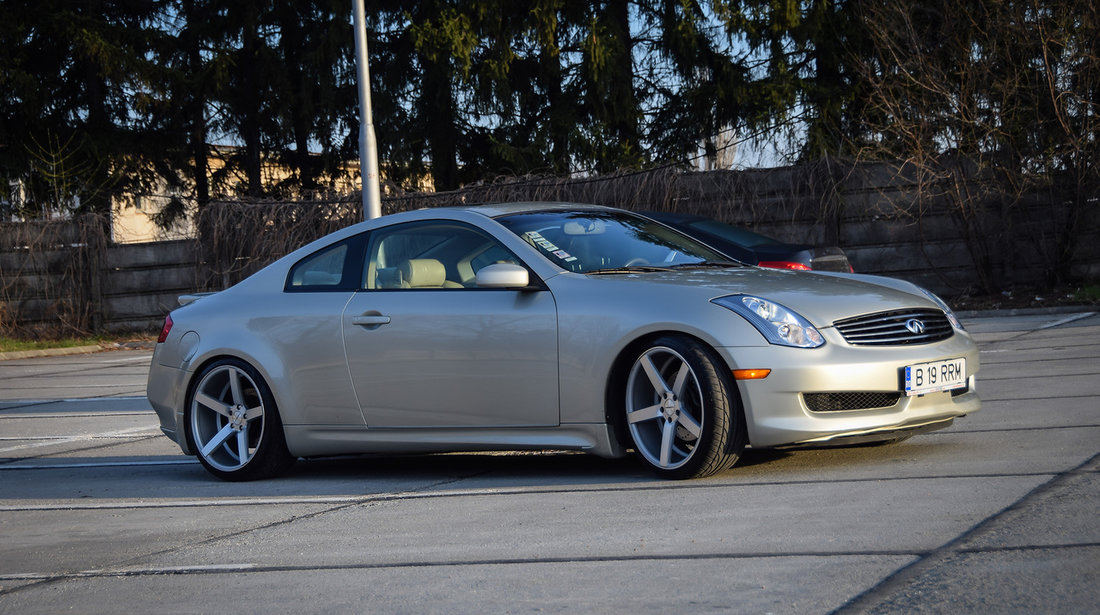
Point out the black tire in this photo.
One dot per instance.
(682, 409)
(233, 424)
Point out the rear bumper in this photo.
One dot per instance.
(166, 390)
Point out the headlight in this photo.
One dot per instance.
(946, 310)
(776, 323)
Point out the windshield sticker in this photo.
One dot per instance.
(543, 243)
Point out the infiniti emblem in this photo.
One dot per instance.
(914, 326)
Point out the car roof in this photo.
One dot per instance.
(459, 212)
(668, 216)
(496, 210)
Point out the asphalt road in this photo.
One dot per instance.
(99, 513)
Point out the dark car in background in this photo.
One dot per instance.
(753, 248)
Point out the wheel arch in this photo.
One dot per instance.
(615, 387)
(196, 373)
(236, 451)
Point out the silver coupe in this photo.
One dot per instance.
(538, 326)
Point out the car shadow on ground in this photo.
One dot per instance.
(180, 477)
(530, 468)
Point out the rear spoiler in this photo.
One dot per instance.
(186, 299)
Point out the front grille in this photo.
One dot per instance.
(855, 400)
(893, 328)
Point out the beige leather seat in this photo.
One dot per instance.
(425, 273)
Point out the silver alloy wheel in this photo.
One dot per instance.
(664, 405)
(227, 418)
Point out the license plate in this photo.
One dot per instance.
(935, 376)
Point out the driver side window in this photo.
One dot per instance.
(430, 255)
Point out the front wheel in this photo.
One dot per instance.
(682, 412)
(234, 425)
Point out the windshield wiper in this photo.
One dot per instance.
(629, 269)
(708, 265)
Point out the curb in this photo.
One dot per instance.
(1036, 311)
(48, 352)
(72, 350)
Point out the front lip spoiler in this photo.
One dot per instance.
(878, 434)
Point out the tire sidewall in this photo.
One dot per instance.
(717, 448)
(271, 456)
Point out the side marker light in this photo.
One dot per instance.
(751, 374)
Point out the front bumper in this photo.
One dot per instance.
(776, 410)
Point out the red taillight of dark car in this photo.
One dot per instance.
(165, 330)
(783, 265)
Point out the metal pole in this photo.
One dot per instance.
(368, 147)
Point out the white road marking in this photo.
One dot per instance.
(204, 503)
(79, 386)
(127, 359)
(144, 430)
(112, 436)
(76, 415)
(1067, 320)
(8, 404)
(123, 572)
(98, 464)
(222, 502)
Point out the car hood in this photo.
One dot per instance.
(822, 298)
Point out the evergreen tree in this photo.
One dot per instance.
(75, 82)
(315, 87)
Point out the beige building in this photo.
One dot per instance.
(133, 217)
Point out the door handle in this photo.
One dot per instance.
(372, 320)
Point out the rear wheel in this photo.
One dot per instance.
(682, 412)
(234, 425)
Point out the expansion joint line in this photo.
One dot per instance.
(907, 574)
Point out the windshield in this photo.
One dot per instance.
(588, 241)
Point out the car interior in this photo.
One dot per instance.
(431, 256)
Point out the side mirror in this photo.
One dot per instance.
(503, 275)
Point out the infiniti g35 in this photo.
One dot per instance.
(548, 326)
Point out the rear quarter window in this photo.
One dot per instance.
(328, 269)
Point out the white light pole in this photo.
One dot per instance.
(368, 148)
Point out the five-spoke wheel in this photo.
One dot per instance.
(234, 425)
(681, 411)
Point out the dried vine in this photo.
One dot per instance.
(52, 272)
(49, 276)
(240, 237)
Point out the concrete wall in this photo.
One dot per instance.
(130, 287)
(142, 282)
(892, 226)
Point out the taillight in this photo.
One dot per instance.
(167, 328)
(783, 265)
